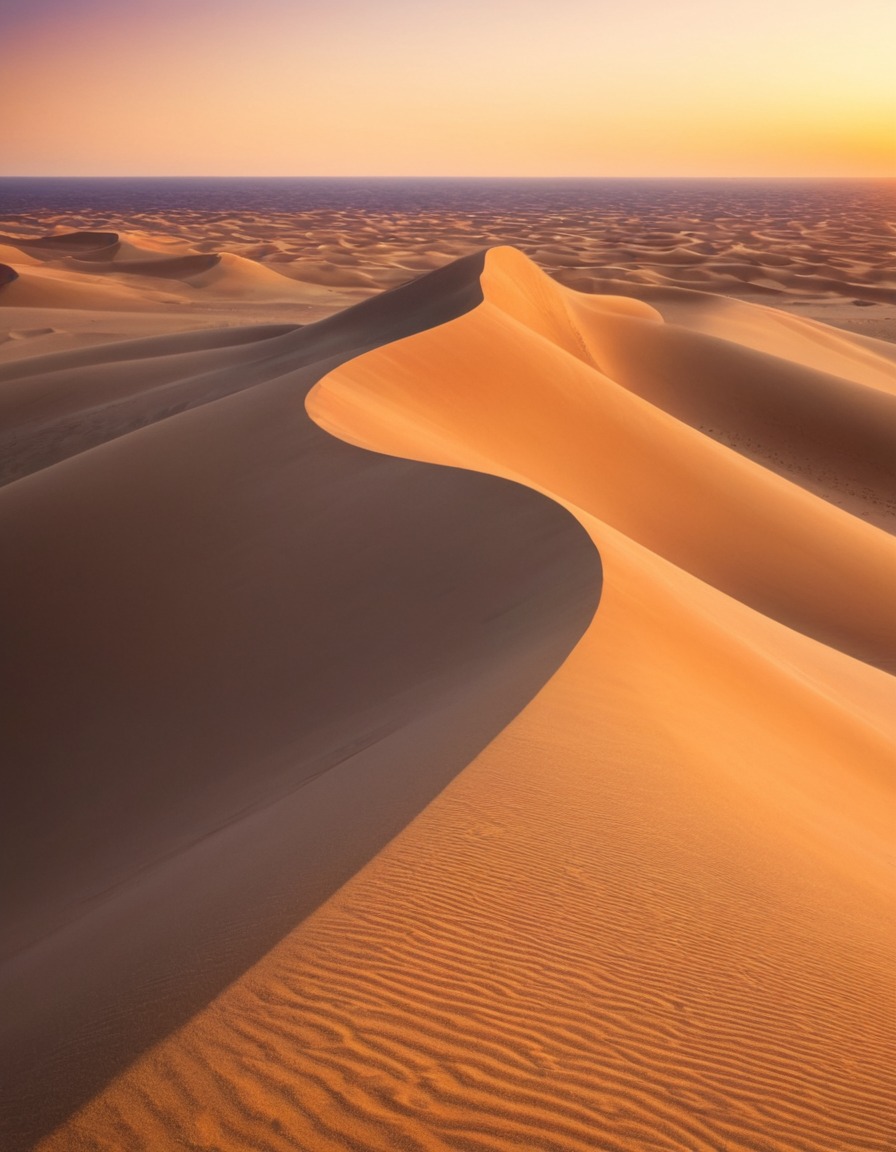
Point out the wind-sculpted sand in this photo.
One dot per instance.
(825, 250)
(500, 758)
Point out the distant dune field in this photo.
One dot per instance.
(458, 716)
(825, 248)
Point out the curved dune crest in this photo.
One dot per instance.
(515, 406)
(711, 852)
(655, 910)
(794, 338)
(539, 391)
(78, 270)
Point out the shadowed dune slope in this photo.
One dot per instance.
(239, 655)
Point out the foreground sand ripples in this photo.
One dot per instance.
(656, 911)
(508, 989)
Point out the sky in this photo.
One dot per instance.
(438, 88)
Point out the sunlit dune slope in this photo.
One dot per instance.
(597, 400)
(236, 276)
(238, 656)
(655, 912)
(713, 535)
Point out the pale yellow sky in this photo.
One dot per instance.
(570, 88)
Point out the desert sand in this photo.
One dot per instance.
(462, 722)
(828, 254)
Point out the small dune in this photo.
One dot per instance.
(235, 276)
(65, 243)
(43, 288)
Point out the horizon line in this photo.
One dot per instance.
(362, 176)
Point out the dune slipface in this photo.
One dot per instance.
(655, 911)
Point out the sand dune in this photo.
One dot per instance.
(242, 656)
(12, 255)
(235, 276)
(168, 267)
(653, 911)
(77, 270)
(40, 287)
(65, 243)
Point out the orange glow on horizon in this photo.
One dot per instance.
(495, 90)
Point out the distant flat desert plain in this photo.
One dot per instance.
(449, 661)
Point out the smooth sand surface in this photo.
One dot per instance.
(655, 909)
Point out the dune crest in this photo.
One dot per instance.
(540, 392)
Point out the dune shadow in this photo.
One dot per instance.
(241, 656)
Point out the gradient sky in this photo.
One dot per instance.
(427, 87)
